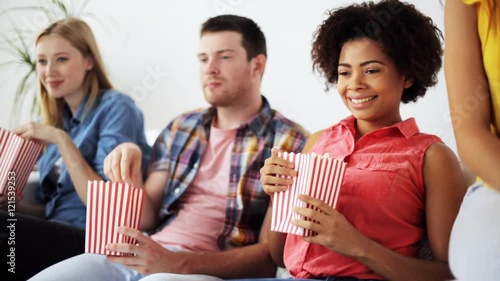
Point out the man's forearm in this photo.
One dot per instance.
(247, 262)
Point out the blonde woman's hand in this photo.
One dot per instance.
(276, 174)
(40, 132)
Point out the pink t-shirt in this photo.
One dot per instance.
(202, 208)
(382, 196)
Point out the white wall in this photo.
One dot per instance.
(150, 52)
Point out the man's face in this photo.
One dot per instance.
(225, 72)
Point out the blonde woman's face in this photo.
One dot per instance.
(61, 68)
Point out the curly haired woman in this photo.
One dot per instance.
(400, 185)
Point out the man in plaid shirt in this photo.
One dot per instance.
(204, 200)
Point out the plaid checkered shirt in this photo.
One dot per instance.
(179, 150)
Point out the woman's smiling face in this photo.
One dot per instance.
(369, 83)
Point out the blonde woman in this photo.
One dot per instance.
(83, 119)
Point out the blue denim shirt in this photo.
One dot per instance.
(113, 119)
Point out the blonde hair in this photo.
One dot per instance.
(80, 36)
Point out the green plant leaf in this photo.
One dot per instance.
(21, 92)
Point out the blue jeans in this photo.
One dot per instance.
(94, 267)
(331, 278)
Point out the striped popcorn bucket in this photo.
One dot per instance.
(318, 176)
(18, 156)
(110, 205)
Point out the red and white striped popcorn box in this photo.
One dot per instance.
(109, 206)
(18, 156)
(318, 176)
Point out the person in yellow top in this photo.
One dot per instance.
(472, 69)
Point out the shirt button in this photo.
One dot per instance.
(195, 165)
(177, 190)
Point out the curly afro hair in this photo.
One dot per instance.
(407, 36)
